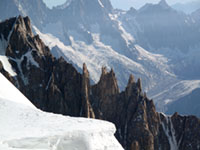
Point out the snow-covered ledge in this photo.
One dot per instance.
(25, 127)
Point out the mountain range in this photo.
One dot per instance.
(54, 85)
(188, 7)
(155, 43)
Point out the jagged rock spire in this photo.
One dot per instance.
(131, 83)
(107, 84)
(85, 70)
(103, 71)
(131, 80)
(24, 23)
(139, 84)
(87, 110)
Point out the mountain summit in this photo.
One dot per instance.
(163, 3)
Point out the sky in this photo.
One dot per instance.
(122, 4)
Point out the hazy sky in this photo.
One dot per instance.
(122, 4)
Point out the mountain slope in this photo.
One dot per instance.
(92, 32)
(159, 26)
(79, 29)
(16, 96)
(25, 127)
(13, 8)
(103, 41)
(163, 30)
(97, 41)
(68, 92)
(188, 7)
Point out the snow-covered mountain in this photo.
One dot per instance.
(54, 85)
(163, 30)
(36, 9)
(196, 16)
(25, 127)
(187, 7)
(99, 41)
(92, 32)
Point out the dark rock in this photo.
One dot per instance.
(87, 110)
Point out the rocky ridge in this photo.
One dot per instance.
(91, 30)
(54, 85)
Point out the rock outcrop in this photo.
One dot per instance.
(54, 85)
(50, 83)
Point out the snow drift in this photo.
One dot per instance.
(25, 127)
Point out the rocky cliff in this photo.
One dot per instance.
(54, 85)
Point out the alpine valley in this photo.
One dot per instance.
(82, 59)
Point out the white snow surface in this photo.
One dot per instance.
(95, 56)
(100, 3)
(3, 58)
(23, 127)
(98, 54)
(171, 137)
(11, 93)
(174, 92)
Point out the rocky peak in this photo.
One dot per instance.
(23, 26)
(87, 110)
(161, 7)
(86, 5)
(163, 3)
(139, 85)
(85, 71)
(25, 22)
(32, 8)
(131, 80)
(54, 85)
(131, 85)
(103, 71)
(21, 31)
(132, 11)
(108, 83)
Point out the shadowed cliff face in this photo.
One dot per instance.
(54, 85)
(49, 83)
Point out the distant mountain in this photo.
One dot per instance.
(54, 85)
(188, 7)
(187, 105)
(85, 35)
(159, 26)
(163, 30)
(36, 9)
(196, 16)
